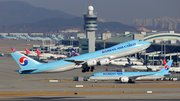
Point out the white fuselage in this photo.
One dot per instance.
(123, 61)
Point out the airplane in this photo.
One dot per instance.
(173, 69)
(60, 37)
(9, 37)
(144, 67)
(132, 76)
(13, 50)
(55, 38)
(33, 38)
(37, 38)
(123, 61)
(84, 61)
(50, 55)
(21, 37)
(74, 52)
(32, 53)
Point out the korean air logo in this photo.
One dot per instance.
(166, 67)
(23, 61)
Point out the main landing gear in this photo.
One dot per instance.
(86, 69)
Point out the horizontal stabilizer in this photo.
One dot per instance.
(24, 71)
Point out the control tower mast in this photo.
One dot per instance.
(90, 25)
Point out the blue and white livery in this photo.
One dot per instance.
(132, 76)
(84, 61)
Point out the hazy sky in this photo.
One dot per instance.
(114, 10)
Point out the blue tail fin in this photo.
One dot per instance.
(23, 61)
(165, 69)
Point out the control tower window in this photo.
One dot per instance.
(90, 19)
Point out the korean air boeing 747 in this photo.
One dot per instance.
(132, 76)
(84, 61)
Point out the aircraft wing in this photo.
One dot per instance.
(134, 77)
(77, 62)
(80, 62)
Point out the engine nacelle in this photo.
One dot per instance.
(104, 61)
(124, 79)
(91, 63)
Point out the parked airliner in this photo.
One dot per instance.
(132, 76)
(55, 38)
(84, 61)
(30, 53)
(124, 62)
(9, 37)
(21, 37)
(145, 67)
(50, 55)
(60, 37)
(37, 38)
(13, 50)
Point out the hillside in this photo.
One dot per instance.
(17, 12)
(52, 24)
(17, 16)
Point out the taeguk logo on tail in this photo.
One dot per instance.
(166, 67)
(23, 61)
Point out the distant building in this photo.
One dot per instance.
(36, 34)
(81, 35)
(84, 46)
(163, 23)
(14, 34)
(105, 35)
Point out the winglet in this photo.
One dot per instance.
(13, 49)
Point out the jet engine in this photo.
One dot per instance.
(124, 79)
(103, 61)
(91, 63)
(89, 66)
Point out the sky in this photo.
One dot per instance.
(123, 11)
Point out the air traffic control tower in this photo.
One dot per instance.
(90, 25)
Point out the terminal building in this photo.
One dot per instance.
(164, 45)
